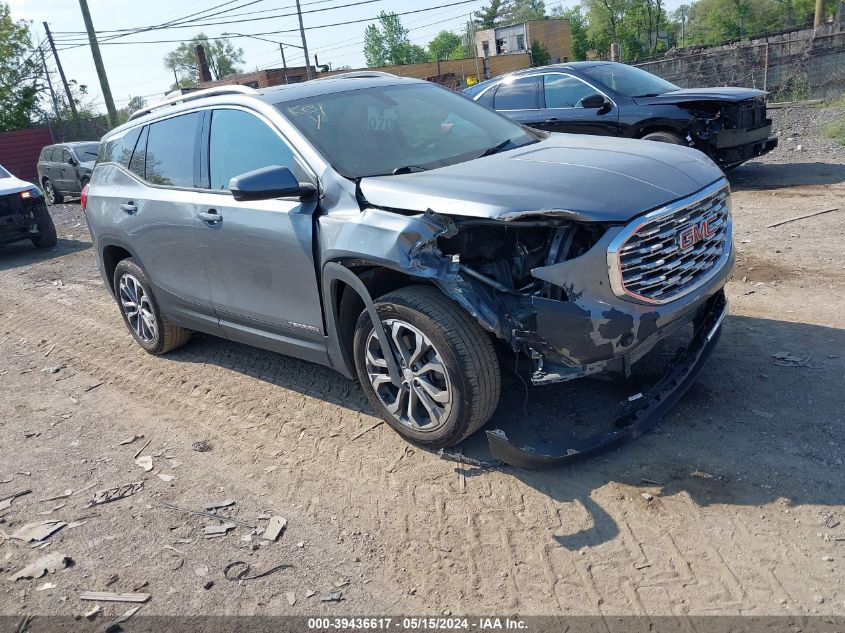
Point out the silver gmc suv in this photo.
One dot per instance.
(401, 233)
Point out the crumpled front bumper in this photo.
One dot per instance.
(638, 416)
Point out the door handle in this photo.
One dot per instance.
(129, 207)
(212, 216)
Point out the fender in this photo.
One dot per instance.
(332, 274)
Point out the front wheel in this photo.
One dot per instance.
(51, 193)
(664, 137)
(450, 379)
(46, 229)
(149, 327)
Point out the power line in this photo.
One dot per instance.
(310, 28)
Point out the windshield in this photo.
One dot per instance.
(4, 173)
(629, 81)
(400, 129)
(86, 152)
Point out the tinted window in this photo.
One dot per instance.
(118, 150)
(487, 98)
(136, 165)
(519, 94)
(629, 81)
(240, 142)
(86, 152)
(65, 156)
(170, 151)
(563, 91)
(45, 153)
(400, 128)
(56, 155)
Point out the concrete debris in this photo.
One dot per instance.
(213, 531)
(108, 596)
(647, 496)
(89, 615)
(127, 614)
(310, 593)
(37, 531)
(45, 565)
(53, 370)
(165, 477)
(274, 528)
(335, 596)
(114, 494)
(145, 462)
(46, 586)
(291, 596)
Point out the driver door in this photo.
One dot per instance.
(562, 110)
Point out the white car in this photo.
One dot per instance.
(23, 213)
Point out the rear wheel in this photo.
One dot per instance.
(450, 379)
(51, 194)
(149, 327)
(664, 137)
(46, 229)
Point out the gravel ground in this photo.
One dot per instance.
(732, 506)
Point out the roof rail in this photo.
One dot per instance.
(196, 94)
(360, 74)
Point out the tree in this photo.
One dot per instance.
(19, 74)
(578, 24)
(517, 11)
(223, 59)
(387, 43)
(488, 17)
(443, 45)
(135, 104)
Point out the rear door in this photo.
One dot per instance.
(159, 207)
(259, 254)
(563, 111)
(519, 99)
(66, 173)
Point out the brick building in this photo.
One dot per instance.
(554, 34)
(263, 78)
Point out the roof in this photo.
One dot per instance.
(331, 85)
(72, 143)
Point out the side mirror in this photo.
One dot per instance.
(268, 183)
(594, 101)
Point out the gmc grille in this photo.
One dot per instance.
(670, 252)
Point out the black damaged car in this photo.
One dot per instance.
(613, 99)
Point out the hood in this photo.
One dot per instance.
(14, 185)
(702, 94)
(588, 178)
(88, 164)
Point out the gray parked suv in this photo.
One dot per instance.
(65, 169)
(393, 230)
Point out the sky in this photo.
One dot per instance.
(138, 69)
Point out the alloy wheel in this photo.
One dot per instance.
(424, 399)
(138, 308)
(51, 193)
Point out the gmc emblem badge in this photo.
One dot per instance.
(694, 234)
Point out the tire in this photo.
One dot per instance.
(149, 327)
(46, 229)
(51, 194)
(664, 137)
(457, 359)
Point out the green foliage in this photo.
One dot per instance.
(578, 23)
(223, 59)
(540, 54)
(387, 43)
(443, 45)
(488, 16)
(836, 129)
(19, 74)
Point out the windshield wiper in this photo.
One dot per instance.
(496, 148)
(407, 169)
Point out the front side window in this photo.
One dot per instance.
(139, 156)
(170, 151)
(565, 91)
(629, 81)
(396, 129)
(518, 94)
(66, 157)
(240, 142)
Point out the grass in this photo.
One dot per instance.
(836, 130)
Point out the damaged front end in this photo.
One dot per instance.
(731, 132)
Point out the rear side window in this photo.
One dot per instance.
(45, 154)
(487, 98)
(170, 151)
(119, 150)
(520, 94)
(56, 155)
(136, 165)
(241, 142)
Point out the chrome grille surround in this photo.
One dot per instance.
(645, 261)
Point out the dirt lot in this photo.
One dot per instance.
(745, 476)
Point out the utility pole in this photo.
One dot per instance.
(98, 63)
(70, 101)
(49, 83)
(284, 63)
(471, 34)
(304, 43)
